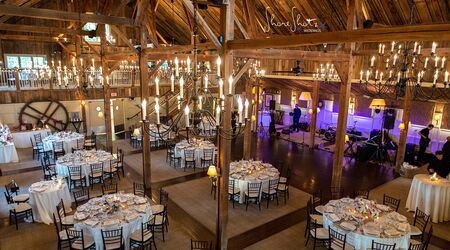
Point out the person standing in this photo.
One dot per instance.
(424, 141)
(297, 114)
(446, 151)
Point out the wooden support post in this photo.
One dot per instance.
(146, 154)
(106, 89)
(258, 81)
(345, 71)
(248, 127)
(17, 78)
(315, 101)
(83, 116)
(227, 30)
(404, 132)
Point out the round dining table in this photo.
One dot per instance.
(69, 140)
(112, 211)
(45, 195)
(364, 221)
(22, 138)
(198, 145)
(244, 172)
(83, 158)
(8, 153)
(430, 196)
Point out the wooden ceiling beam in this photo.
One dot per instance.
(421, 32)
(29, 38)
(292, 55)
(202, 23)
(24, 3)
(142, 6)
(179, 48)
(242, 71)
(11, 10)
(40, 29)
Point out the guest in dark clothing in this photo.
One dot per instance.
(446, 151)
(424, 141)
(297, 114)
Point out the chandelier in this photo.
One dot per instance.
(197, 92)
(326, 73)
(407, 66)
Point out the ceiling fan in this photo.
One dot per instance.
(297, 70)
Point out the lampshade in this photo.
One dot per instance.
(136, 131)
(212, 171)
(401, 126)
(377, 104)
(310, 111)
(305, 96)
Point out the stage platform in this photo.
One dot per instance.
(192, 204)
(162, 173)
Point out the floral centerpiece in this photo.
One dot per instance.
(367, 209)
(5, 134)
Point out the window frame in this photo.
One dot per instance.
(32, 56)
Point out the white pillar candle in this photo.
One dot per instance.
(206, 82)
(415, 47)
(186, 112)
(200, 99)
(181, 87)
(73, 61)
(433, 47)
(240, 109)
(144, 109)
(443, 62)
(218, 62)
(81, 62)
(246, 104)
(426, 63)
(361, 75)
(230, 85)
(177, 72)
(395, 60)
(372, 61)
(381, 76)
(220, 87)
(436, 61)
(418, 49)
(217, 115)
(107, 80)
(367, 75)
(188, 61)
(172, 83)
(398, 77)
(446, 76)
(157, 111)
(392, 46)
(157, 85)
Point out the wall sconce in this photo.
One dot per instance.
(347, 138)
(98, 109)
(310, 111)
(100, 114)
(401, 126)
(83, 102)
(117, 107)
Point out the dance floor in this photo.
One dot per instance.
(192, 203)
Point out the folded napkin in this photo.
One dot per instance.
(400, 217)
(334, 217)
(140, 200)
(383, 207)
(110, 222)
(371, 230)
(391, 232)
(348, 226)
(141, 208)
(403, 227)
(329, 209)
(131, 217)
(80, 216)
(91, 222)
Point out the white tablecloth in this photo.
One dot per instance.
(244, 172)
(22, 139)
(69, 142)
(8, 153)
(95, 213)
(198, 146)
(357, 238)
(432, 197)
(83, 158)
(44, 196)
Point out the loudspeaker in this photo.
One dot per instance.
(272, 104)
(389, 118)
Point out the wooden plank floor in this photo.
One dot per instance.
(244, 227)
(162, 173)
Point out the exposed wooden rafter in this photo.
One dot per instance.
(40, 29)
(11, 10)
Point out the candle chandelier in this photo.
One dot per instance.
(326, 73)
(199, 106)
(406, 66)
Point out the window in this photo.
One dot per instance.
(96, 39)
(25, 61)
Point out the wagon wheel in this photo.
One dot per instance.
(33, 112)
